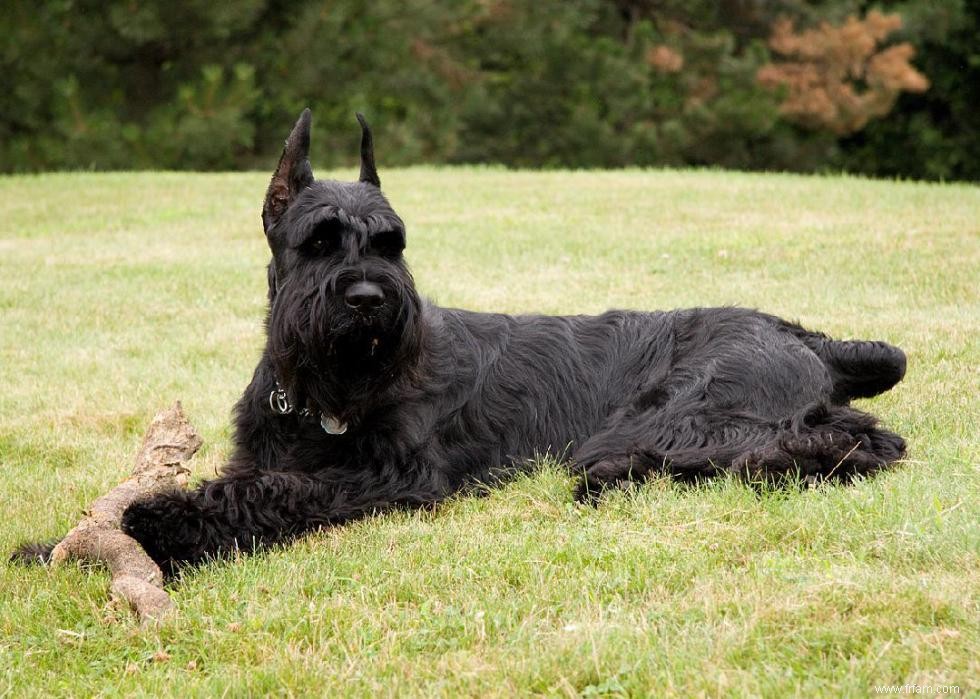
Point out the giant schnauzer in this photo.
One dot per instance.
(369, 397)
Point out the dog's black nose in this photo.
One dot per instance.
(364, 296)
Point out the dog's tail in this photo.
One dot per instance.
(858, 368)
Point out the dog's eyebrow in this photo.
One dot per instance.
(347, 220)
(324, 214)
(362, 227)
(380, 223)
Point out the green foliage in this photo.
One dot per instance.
(936, 134)
(132, 84)
(122, 85)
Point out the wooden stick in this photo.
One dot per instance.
(170, 441)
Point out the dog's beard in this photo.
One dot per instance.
(331, 358)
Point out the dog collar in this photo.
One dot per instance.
(279, 403)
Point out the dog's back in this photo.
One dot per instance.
(719, 380)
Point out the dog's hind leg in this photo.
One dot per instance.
(687, 445)
(822, 443)
(819, 443)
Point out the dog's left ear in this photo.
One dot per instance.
(292, 175)
(369, 173)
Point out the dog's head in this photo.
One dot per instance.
(343, 311)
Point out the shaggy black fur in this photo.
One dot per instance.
(435, 399)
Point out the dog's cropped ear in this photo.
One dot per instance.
(369, 173)
(292, 175)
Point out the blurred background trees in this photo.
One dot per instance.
(890, 88)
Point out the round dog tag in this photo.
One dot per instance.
(332, 425)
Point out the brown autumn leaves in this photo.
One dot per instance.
(831, 77)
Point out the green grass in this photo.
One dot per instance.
(122, 292)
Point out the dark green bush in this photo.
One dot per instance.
(129, 84)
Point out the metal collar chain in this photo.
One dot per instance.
(279, 404)
(279, 401)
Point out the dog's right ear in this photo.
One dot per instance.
(292, 175)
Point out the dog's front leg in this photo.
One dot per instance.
(240, 513)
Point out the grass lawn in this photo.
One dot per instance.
(122, 292)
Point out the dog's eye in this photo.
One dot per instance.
(324, 240)
(387, 243)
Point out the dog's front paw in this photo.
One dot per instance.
(168, 527)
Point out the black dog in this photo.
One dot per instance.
(368, 397)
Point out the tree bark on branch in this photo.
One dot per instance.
(170, 441)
